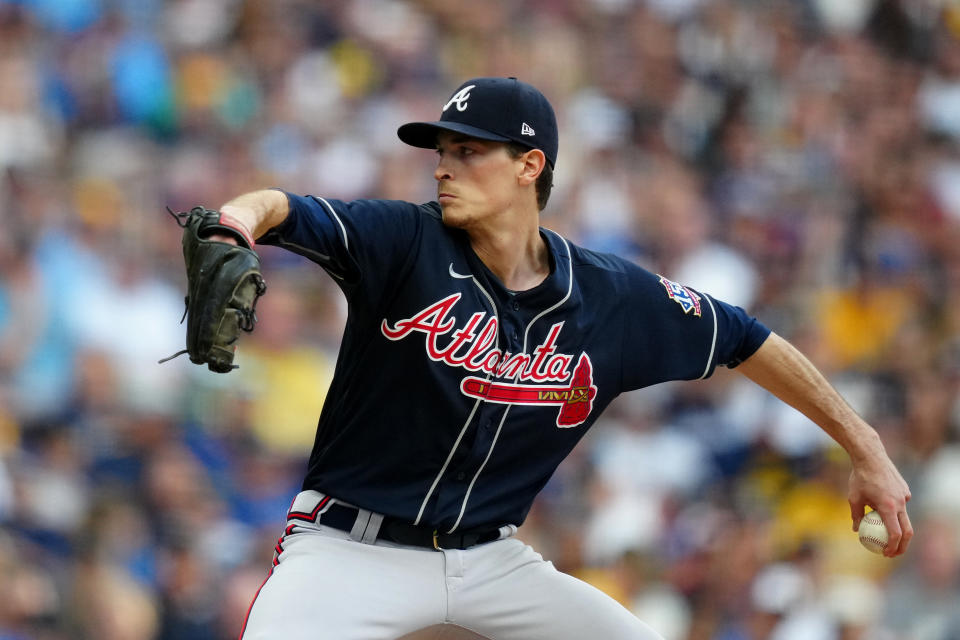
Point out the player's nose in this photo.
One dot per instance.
(442, 172)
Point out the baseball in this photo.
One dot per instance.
(873, 533)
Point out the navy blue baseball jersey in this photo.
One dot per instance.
(455, 399)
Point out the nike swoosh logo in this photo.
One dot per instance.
(454, 274)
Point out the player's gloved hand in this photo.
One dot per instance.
(223, 285)
(876, 482)
(219, 237)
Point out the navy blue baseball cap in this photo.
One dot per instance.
(499, 109)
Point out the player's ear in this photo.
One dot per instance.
(533, 163)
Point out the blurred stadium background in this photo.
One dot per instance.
(798, 158)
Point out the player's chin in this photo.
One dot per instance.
(453, 216)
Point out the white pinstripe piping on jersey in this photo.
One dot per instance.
(713, 344)
(322, 258)
(562, 300)
(454, 274)
(526, 333)
(443, 469)
(446, 463)
(466, 497)
(346, 244)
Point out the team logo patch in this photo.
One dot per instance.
(686, 298)
(460, 98)
(541, 377)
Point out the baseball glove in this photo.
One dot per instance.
(223, 286)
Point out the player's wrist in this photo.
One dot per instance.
(235, 218)
(866, 449)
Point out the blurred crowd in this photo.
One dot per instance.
(799, 158)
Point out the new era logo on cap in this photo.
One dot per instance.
(499, 109)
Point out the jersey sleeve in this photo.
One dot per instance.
(677, 333)
(359, 240)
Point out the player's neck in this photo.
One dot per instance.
(518, 256)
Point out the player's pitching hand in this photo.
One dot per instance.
(877, 483)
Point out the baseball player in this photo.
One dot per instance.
(479, 348)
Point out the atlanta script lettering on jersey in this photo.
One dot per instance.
(473, 347)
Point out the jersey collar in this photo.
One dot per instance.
(554, 290)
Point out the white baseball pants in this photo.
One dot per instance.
(326, 586)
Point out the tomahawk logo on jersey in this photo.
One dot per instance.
(575, 399)
(482, 392)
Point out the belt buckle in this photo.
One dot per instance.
(436, 543)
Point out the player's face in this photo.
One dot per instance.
(476, 179)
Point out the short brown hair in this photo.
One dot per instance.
(544, 181)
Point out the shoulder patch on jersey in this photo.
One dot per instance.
(686, 298)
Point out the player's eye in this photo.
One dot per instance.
(459, 150)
